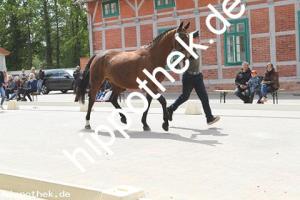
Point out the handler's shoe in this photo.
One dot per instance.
(213, 120)
(170, 113)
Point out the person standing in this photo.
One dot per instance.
(41, 77)
(2, 90)
(193, 79)
(76, 75)
(241, 82)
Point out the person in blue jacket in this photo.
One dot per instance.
(31, 86)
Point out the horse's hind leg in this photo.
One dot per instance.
(144, 118)
(163, 103)
(115, 103)
(88, 114)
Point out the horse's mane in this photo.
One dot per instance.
(159, 37)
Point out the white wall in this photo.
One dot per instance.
(2, 63)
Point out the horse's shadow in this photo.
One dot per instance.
(210, 131)
(164, 135)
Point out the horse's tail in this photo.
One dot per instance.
(84, 82)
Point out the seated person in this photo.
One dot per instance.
(105, 92)
(17, 82)
(30, 87)
(270, 83)
(23, 75)
(11, 88)
(241, 81)
(21, 83)
(254, 85)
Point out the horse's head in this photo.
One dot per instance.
(184, 35)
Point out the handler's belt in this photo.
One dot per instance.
(193, 73)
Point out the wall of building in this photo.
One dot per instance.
(2, 63)
(273, 35)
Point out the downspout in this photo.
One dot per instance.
(90, 29)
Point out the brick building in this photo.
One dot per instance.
(267, 32)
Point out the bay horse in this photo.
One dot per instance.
(121, 69)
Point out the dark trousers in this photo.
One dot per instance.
(20, 92)
(253, 93)
(25, 93)
(8, 92)
(28, 93)
(243, 95)
(190, 82)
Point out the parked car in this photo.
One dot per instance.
(57, 80)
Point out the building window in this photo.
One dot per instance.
(110, 8)
(236, 42)
(161, 30)
(161, 4)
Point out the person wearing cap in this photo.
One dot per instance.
(241, 81)
(193, 79)
(254, 85)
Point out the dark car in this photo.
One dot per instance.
(57, 80)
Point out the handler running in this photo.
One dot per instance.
(191, 79)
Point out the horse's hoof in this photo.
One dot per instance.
(88, 127)
(165, 126)
(147, 128)
(124, 120)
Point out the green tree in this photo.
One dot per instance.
(53, 32)
(47, 28)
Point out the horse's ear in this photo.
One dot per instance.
(180, 26)
(187, 26)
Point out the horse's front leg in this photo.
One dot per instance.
(115, 103)
(144, 118)
(95, 87)
(163, 103)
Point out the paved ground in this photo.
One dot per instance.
(252, 153)
(284, 98)
(6, 195)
